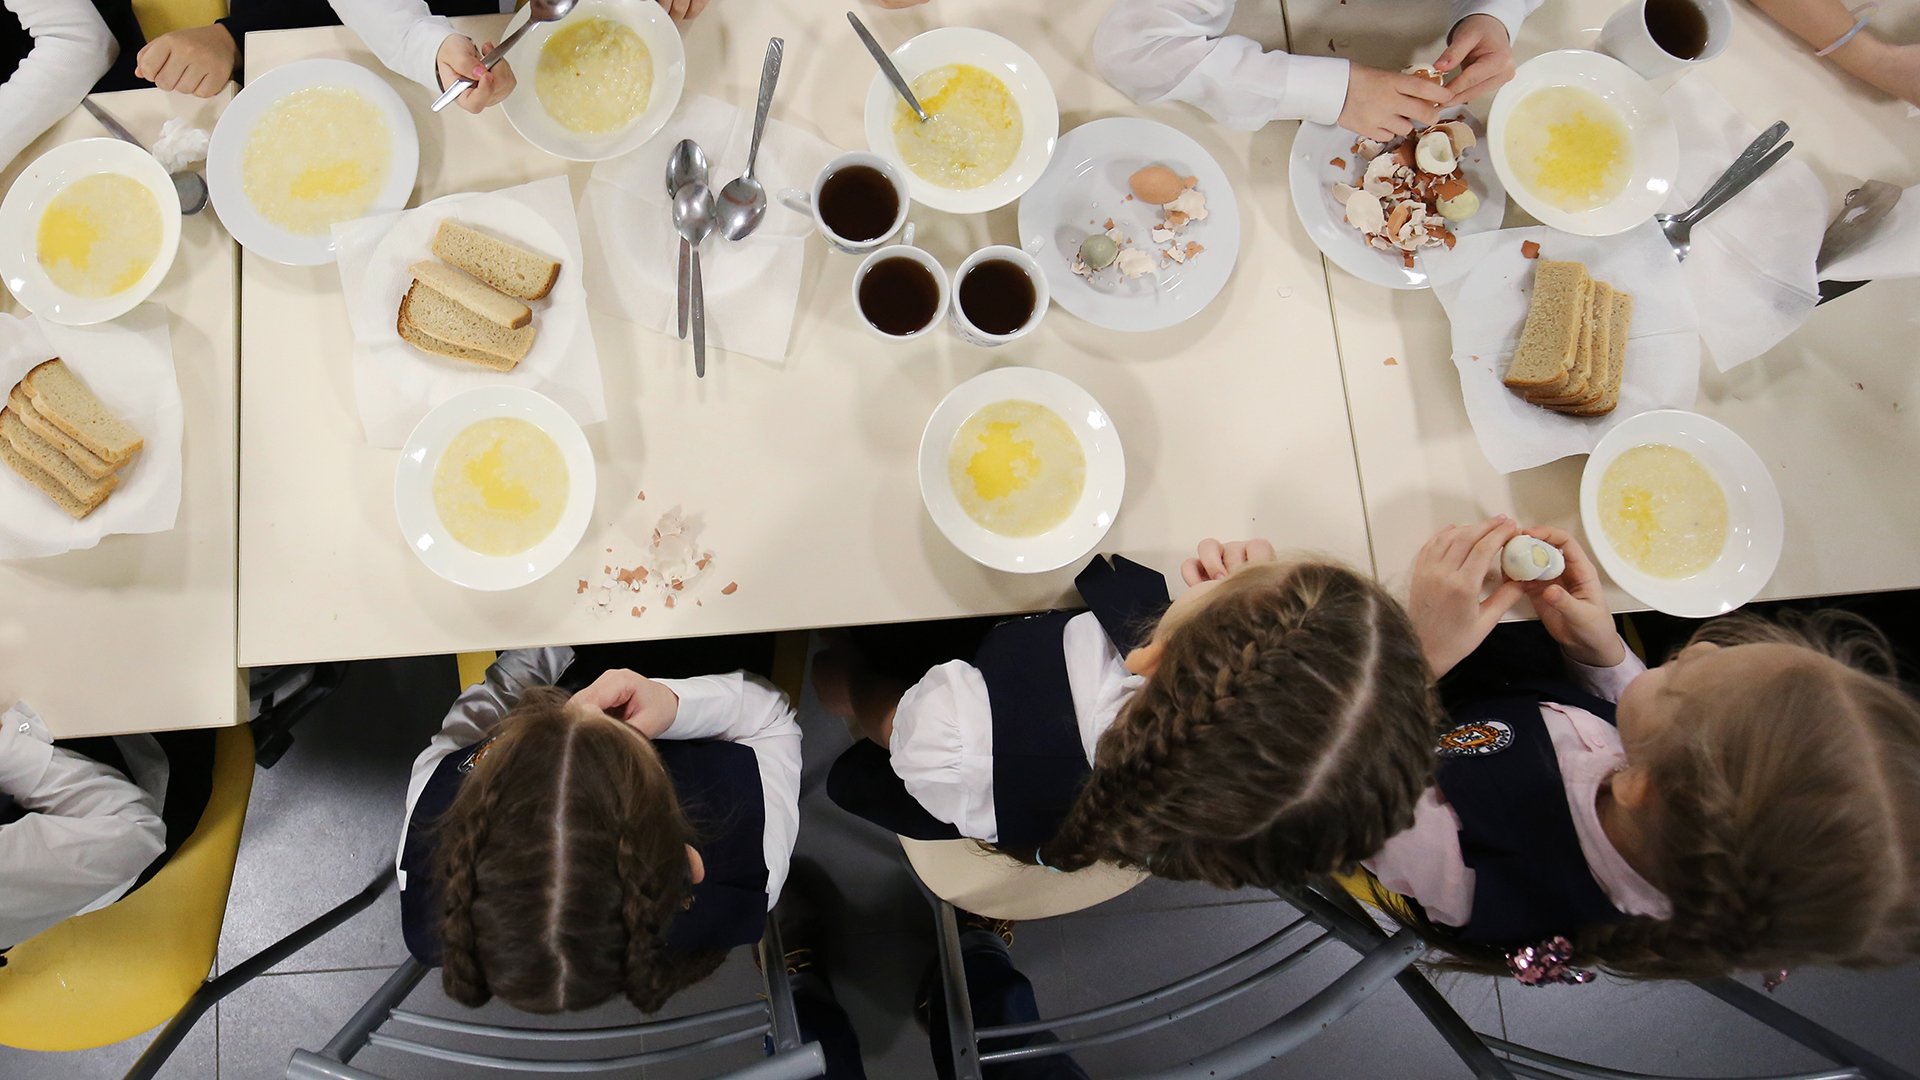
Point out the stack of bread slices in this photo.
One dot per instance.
(1573, 350)
(472, 306)
(59, 437)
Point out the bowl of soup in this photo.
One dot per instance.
(1021, 470)
(599, 82)
(494, 488)
(1681, 513)
(1583, 143)
(992, 120)
(90, 229)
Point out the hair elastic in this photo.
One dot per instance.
(1860, 16)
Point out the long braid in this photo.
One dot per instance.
(460, 842)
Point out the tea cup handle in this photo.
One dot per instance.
(796, 200)
(906, 237)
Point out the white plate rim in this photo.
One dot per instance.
(1100, 499)
(418, 520)
(1753, 493)
(227, 148)
(47, 176)
(528, 116)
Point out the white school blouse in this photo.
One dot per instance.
(942, 743)
(1179, 50)
(1424, 861)
(88, 831)
(737, 708)
(71, 50)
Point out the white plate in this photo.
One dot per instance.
(1087, 184)
(1311, 175)
(1099, 500)
(420, 522)
(228, 149)
(1039, 113)
(1754, 523)
(529, 116)
(27, 200)
(1656, 146)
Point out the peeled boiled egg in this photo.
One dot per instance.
(1460, 207)
(1157, 184)
(1529, 558)
(1434, 153)
(1098, 251)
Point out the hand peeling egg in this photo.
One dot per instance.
(1157, 184)
(1098, 251)
(1434, 154)
(1528, 558)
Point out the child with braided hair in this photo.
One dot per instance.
(1274, 722)
(1752, 804)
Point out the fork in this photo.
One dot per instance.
(1759, 156)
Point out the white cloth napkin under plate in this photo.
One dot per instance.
(396, 384)
(1751, 264)
(753, 286)
(1488, 308)
(128, 364)
(1894, 249)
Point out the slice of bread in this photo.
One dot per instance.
(495, 307)
(1550, 340)
(59, 396)
(1616, 358)
(89, 462)
(76, 506)
(1584, 385)
(431, 322)
(507, 267)
(51, 461)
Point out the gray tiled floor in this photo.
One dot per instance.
(324, 819)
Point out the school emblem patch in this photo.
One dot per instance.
(1477, 739)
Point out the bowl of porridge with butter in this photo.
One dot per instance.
(599, 82)
(90, 228)
(992, 120)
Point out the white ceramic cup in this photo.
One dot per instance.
(808, 202)
(1042, 296)
(1625, 38)
(903, 250)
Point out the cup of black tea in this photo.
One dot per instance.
(858, 202)
(1662, 37)
(1000, 295)
(900, 291)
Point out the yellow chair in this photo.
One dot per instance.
(165, 16)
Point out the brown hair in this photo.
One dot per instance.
(1288, 731)
(561, 862)
(1785, 824)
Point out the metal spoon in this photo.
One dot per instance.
(886, 67)
(744, 202)
(1759, 156)
(190, 186)
(538, 11)
(693, 219)
(686, 165)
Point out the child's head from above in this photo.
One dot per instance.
(1286, 728)
(1772, 791)
(561, 861)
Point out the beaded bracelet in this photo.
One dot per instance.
(1860, 16)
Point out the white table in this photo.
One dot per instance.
(1834, 410)
(138, 633)
(802, 475)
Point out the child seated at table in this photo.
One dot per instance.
(578, 831)
(1179, 50)
(1752, 804)
(1275, 721)
(1838, 34)
(52, 54)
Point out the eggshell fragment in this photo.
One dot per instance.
(1434, 154)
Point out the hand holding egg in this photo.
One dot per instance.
(1573, 607)
(1449, 574)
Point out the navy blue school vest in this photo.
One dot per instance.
(1499, 773)
(718, 784)
(1039, 764)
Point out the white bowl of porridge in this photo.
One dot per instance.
(599, 82)
(993, 120)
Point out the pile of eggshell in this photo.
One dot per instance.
(1411, 189)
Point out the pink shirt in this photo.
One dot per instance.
(1424, 861)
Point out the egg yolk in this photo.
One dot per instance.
(1003, 464)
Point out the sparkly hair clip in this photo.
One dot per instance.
(1547, 963)
(1773, 979)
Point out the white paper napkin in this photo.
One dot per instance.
(1488, 307)
(396, 384)
(752, 287)
(128, 364)
(1751, 264)
(1894, 250)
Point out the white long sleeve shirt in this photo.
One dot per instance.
(71, 50)
(88, 831)
(1179, 50)
(402, 33)
(736, 708)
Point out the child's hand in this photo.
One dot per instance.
(1444, 603)
(1573, 607)
(633, 699)
(1480, 43)
(1898, 72)
(1214, 560)
(684, 9)
(1384, 104)
(459, 59)
(197, 61)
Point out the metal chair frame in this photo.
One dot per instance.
(773, 1019)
